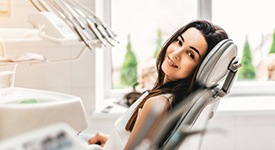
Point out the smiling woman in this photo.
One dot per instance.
(182, 56)
(177, 71)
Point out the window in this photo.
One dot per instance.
(251, 22)
(143, 19)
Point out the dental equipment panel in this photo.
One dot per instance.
(26, 109)
(81, 20)
(58, 136)
(52, 27)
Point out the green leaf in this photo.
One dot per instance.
(272, 49)
(159, 44)
(129, 66)
(247, 70)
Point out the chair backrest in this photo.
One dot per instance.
(215, 78)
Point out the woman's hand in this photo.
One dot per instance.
(99, 139)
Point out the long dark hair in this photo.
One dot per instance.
(183, 87)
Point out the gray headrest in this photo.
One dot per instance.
(215, 65)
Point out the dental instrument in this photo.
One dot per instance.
(98, 23)
(68, 17)
(90, 24)
(79, 18)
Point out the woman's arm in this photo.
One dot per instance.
(163, 105)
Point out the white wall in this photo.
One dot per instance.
(76, 78)
(251, 130)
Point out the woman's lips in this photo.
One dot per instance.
(171, 63)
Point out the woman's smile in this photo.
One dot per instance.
(171, 63)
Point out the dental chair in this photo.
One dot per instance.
(187, 122)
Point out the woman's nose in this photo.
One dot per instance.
(175, 56)
(177, 53)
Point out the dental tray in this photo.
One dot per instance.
(24, 110)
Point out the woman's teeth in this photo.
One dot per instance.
(171, 63)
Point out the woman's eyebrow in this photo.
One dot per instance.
(181, 38)
(193, 48)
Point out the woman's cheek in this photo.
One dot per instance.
(188, 68)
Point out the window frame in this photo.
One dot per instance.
(103, 63)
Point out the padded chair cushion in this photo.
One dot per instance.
(215, 65)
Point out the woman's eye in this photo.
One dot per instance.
(191, 55)
(179, 42)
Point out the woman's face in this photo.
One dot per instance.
(183, 55)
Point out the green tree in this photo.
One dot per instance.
(129, 67)
(159, 44)
(247, 70)
(272, 49)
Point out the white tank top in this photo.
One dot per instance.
(120, 136)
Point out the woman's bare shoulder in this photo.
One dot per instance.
(159, 100)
